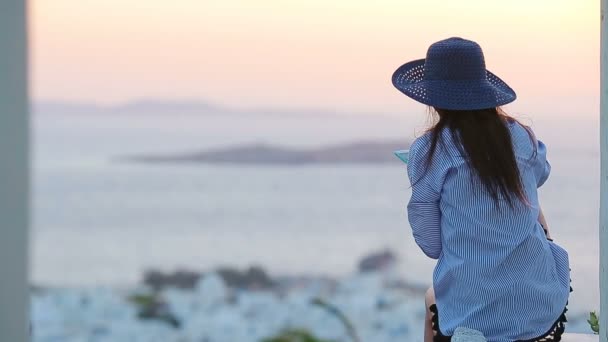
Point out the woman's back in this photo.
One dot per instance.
(496, 271)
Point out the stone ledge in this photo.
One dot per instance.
(580, 338)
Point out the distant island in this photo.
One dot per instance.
(364, 152)
(160, 106)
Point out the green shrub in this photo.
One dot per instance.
(594, 322)
(300, 335)
(295, 335)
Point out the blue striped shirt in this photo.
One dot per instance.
(496, 272)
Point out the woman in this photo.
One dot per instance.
(474, 204)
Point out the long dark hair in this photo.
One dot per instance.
(483, 138)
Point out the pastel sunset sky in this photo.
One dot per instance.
(331, 54)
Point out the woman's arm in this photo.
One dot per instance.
(425, 220)
(423, 209)
(543, 221)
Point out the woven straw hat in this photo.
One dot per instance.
(453, 76)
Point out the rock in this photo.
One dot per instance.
(255, 278)
(377, 261)
(180, 279)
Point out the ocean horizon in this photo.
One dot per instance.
(101, 223)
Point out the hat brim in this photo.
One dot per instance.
(452, 94)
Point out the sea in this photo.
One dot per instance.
(99, 221)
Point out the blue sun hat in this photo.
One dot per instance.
(453, 76)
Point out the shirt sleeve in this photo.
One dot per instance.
(542, 168)
(423, 210)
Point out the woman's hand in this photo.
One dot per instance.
(543, 221)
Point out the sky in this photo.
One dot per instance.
(328, 54)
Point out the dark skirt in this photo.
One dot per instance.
(553, 334)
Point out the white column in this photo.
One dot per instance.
(604, 174)
(14, 173)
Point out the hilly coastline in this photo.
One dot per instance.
(362, 152)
